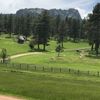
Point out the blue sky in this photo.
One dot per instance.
(84, 6)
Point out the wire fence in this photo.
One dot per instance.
(32, 67)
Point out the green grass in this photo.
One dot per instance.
(67, 60)
(12, 46)
(67, 45)
(49, 86)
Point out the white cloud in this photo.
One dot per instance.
(12, 5)
(83, 12)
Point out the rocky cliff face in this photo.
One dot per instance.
(73, 13)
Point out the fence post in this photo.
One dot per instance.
(69, 70)
(12, 64)
(88, 72)
(43, 68)
(27, 66)
(35, 68)
(20, 66)
(51, 69)
(78, 72)
(60, 69)
(98, 74)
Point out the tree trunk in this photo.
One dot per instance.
(97, 52)
(92, 46)
(3, 60)
(10, 35)
(74, 39)
(38, 46)
(97, 47)
(44, 47)
(58, 54)
(62, 44)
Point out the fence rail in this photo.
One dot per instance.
(32, 67)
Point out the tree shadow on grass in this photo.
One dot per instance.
(38, 50)
(93, 56)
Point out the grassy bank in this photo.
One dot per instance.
(47, 86)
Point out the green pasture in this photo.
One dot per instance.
(49, 86)
(70, 59)
(41, 85)
(12, 46)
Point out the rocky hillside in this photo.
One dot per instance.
(52, 12)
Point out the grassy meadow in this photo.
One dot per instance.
(12, 46)
(39, 85)
(67, 60)
(49, 86)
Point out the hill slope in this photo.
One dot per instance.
(73, 13)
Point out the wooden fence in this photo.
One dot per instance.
(32, 67)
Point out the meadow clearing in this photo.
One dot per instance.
(34, 85)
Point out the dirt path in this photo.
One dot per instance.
(2, 97)
(31, 53)
(24, 54)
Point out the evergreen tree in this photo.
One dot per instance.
(22, 25)
(1, 23)
(28, 25)
(10, 25)
(31, 44)
(83, 29)
(42, 30)
(94, 30)
(3, 55)
(70, 21)
(58, 49)
(75, 29)
(62, 32)
(53, 31)
(5, 23)
(58, 21)
(17, 25)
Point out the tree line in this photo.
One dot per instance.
(25, 24)
(44, 27)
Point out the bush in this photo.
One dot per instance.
(3, 55)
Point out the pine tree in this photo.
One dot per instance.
(62, 32)
(42, 29)
(3, 55)
(5, 22)
(10, 25)
(58, 21)
(83, 29)
(94, 30)
(75, 29)
(28, 25)
(1, 23)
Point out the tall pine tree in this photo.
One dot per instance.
(94, 30)
(42, 29)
